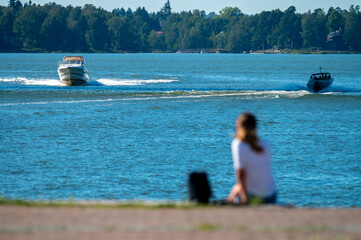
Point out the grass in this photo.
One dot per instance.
(70, 202)
(102, 204)
(209, 227)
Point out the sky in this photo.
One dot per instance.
(246, 6)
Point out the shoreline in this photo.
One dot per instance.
(199, 51)
(87, 221)
(148, 204)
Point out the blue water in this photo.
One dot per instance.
(147, 120)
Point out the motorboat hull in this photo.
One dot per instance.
(317, 85)
(73, 76)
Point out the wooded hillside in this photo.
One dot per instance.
(52, 27)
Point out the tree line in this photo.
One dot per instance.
(53, 27)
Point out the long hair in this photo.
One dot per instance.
(246, 131)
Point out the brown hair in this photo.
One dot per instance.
(246, 126)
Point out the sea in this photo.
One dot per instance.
(146, 121)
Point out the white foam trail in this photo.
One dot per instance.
(244, 94)
(35, 82)
(18, 79)
(181, 95)
(59, 102)
(102, 81)
(44, 82)
(287, 94)
(132, 82)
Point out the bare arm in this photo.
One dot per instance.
(239, 189)
(241, 179)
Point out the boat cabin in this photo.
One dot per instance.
(321, 76)
(73, 60)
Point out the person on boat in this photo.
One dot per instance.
(252, 165)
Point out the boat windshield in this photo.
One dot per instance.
(317, 76)
(72, 62)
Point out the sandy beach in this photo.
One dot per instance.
(89, 222)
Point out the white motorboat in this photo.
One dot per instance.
(72, 71)
(320, 81)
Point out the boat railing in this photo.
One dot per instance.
(71, 62)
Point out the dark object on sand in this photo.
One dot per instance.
(319, 81)
(199, 188)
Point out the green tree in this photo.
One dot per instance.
(166, 9)
(177, 30)
(172, 32)
(122, 35)
(239, 37)
(352, 33)
(119, 12)
(76, 30)
(198, 36)
(289, 30)
(198, 30)
(220, 40)
(142, 27)
(164, 12)
(273, 21)
(156, 41)
(7, 17)
(28, 26)
(97, 33)
(217, 26)
(335, 20)
(261, 31)
(229, 12)
(17, 5)
(314, 29)
(53, 28)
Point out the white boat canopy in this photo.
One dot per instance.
(73, 58)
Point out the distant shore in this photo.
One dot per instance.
(112, 220)
(219, 51)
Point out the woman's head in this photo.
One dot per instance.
(247, 122)
(246, 131)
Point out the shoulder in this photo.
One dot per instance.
(237, 144)
(264, 143)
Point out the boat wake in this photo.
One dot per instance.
(243, 94)
(84, 95)
(128, 82)
(98, 82)
(341, 89)
(330, 90)
(32, 82)
(122, 89)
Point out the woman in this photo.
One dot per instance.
(252, 165)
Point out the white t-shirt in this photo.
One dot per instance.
(259, 180)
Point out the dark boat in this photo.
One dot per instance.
(319, 81)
